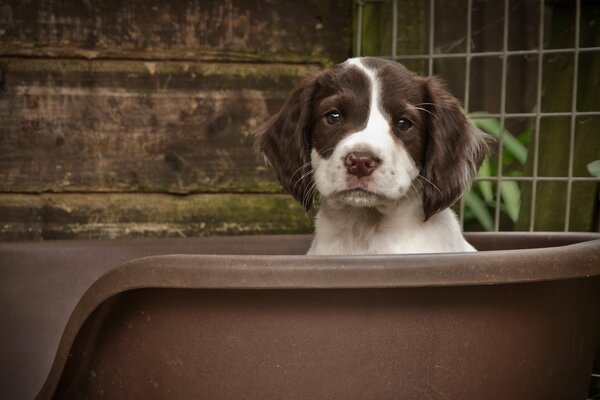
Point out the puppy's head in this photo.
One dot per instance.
(364, 131)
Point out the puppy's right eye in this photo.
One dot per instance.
(404, 124)
(333, 117)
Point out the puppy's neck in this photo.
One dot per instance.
(407, 211)
(344, 229)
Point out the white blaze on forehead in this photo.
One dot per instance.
(377, 130)
(375, 114)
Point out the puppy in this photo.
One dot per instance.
(387, 151)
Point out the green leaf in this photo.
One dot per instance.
(525, 136)
(511, 197)
(492, 126)
(485, 171)
(477, 206)
(594, 168)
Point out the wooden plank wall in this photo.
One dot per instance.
(133, 118)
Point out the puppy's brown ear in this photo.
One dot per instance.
(453, 153)
(284, 140)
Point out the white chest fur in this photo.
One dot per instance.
(344, 230)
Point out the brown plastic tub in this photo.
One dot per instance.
(518, 321)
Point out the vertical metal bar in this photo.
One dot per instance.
(573, 118)
(468, 55)
(502, 116)
(359, 28)
(467, 88)
(461, 212)
(538, 117)
(431, 32)
(394, 27)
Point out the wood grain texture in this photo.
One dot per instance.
(69, 216)
(233, 30)
(130, 126)
(134, 118)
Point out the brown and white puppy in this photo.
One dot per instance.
(388, 152)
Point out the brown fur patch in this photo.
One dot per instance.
(345, 89)
(454, 151)
(285, 142)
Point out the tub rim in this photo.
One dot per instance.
(204, 271)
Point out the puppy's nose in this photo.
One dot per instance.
(361, 163)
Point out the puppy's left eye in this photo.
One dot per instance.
(333, 117)
(403, 124)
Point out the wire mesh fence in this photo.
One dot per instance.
(519, 196)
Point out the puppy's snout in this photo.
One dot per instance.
(361, 163)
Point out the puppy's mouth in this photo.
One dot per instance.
(361, 197)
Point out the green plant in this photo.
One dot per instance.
(594, 168)
(480, 201)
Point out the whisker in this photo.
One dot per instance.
(305, 175)
(420, 186)
(307, 216)
(316, 201)
(425, 104)
(307, 192)
(427, 111)
(307, 195)
(431, 183)
(310, 192)
(298, 170)
(412, 190)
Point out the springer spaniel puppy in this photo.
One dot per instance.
(388, 152)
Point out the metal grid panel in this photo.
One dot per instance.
(430, 56)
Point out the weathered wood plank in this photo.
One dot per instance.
(229, 30)
(176, 127)
(67, 216)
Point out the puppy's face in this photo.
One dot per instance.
(365, 131)
(367, 137)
